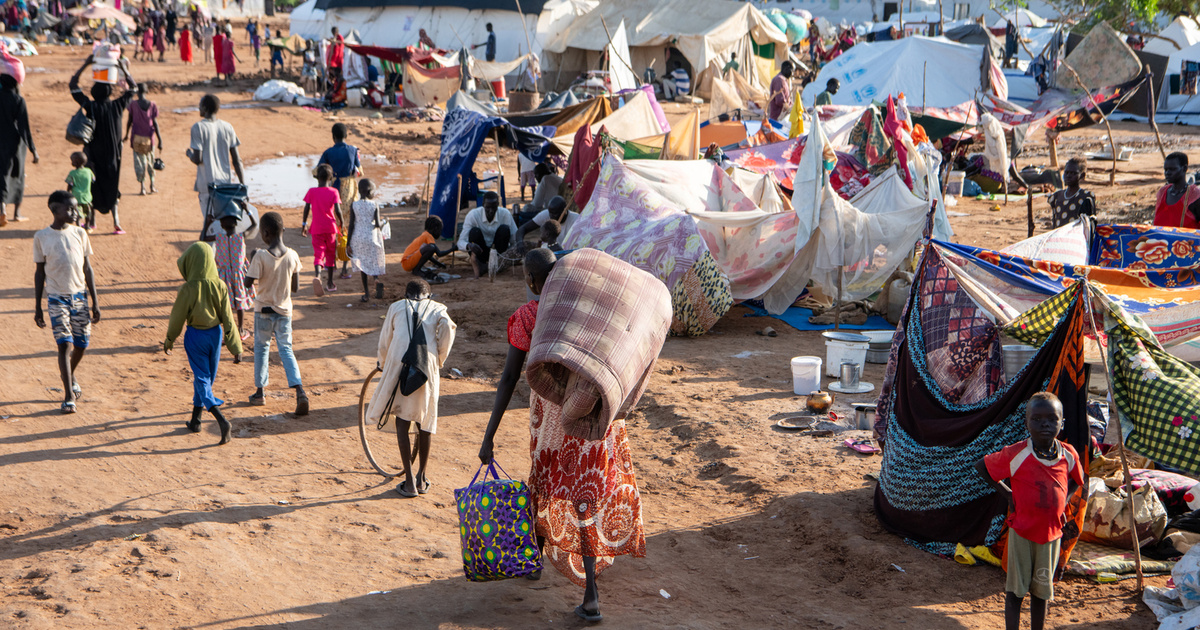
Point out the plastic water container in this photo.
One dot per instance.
(806, 375)
(498, 88)
(954, 183)
(840, 347)
(106, 58)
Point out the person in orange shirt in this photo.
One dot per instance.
(423, 250)
(1178, 203)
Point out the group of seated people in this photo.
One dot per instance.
(490, 234)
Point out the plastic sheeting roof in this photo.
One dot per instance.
(948, 73)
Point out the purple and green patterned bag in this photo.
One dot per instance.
(496, 527)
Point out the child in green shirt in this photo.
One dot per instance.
(79, 183)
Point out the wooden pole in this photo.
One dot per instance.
(425, 191)
(1154, 109)
(1112, 176)
(1137, 547)
(941, 19)
(837, 306)
(1054, 150)
(499, 164)
(1029, 208)
(457, 209)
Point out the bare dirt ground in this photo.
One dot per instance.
(117, 517)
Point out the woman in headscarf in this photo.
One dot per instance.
(203, 304)
(227, 56)
(104, 151)
(15, 138)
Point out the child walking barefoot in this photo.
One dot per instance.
(415, 313)
(366, 239)
(323, 201)
(203, 304)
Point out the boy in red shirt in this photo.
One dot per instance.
(1043, 473)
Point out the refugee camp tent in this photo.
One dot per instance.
(936, 71)
(1024, 17)
(1181, 33)
(641, 117)
(974, 33)
(1175, 102)
(397, 23)
(702, 30)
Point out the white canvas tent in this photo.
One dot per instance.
(450, 26)
(936, 71)
(1184, 32)
(702, 30)
(1173, 107)
(1025, 18)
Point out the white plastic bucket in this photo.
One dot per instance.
(838, 351)
(806, 375)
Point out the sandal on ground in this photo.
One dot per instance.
(245, 334)
(318, 287)
(118, 231)
(331, 288)
(258, 400)
(77, 390)
(68, 407)
(592, 617)
(345, 275)
(424, 488)
(407, 494)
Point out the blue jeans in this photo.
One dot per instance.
(265, 325)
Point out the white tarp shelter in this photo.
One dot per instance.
(451, 25)
(1172, 107)
(1184, 31)
(1024, 17)
(702, 31)
(933, 70)
(620, 66)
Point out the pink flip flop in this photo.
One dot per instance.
(118, 232)
(862, 446)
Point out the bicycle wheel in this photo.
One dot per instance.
(379, 444)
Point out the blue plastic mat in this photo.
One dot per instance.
(797, 318)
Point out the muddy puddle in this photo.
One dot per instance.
(282, 181)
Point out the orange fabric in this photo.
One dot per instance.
(722, 133)
(918, 134)
(412, 253)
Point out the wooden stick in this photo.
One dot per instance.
(837, 312)
(1029, 208)
(425, 190)
(528, 42)
(1112, 176)
(457, 209)
(1154, 108)
(1137, 547)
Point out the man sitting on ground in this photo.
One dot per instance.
(557, 211)
(548, 184)
(486, 228)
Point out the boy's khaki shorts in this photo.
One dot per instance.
(1031, 567)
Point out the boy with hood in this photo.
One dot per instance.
(203, 304)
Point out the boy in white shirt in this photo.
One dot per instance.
(64, 274)
(277, 271)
